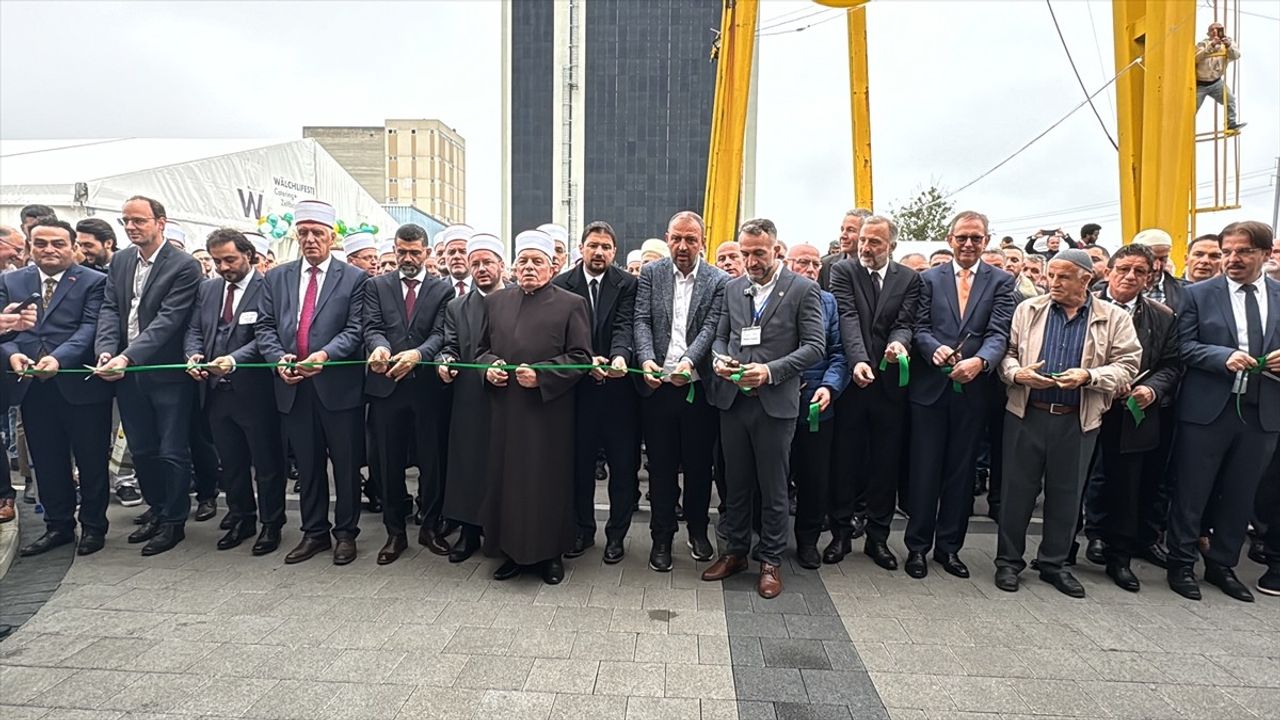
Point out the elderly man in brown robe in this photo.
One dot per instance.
(528, 513)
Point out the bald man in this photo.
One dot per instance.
(729, 258)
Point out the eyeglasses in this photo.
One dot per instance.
(135, 221)
(969, 239)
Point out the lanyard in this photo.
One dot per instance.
(757, 314)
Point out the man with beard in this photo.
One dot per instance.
(877, 299)
(1100, 258)
(362, 251)
(529, 516)
(468, 442)
(455, 239)
(729, 258)
(310, 314)
(404, 324)
(238, 405)
(97, 241)
(151, 288)
(607, 407)
(1014, 264)
(61, 413)
(1162, 286)
(849, 229)
(1204, 258)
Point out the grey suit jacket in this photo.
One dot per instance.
(792, 338)
(654, 297)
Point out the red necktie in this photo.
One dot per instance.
(410, 299)
(462, 288)
(227, 307)
(308, 313)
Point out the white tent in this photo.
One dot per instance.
(203, 183)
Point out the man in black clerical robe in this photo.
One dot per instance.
(528, 511)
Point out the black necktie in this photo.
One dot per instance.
(594, 287)
(875, 284)
(1253, 318)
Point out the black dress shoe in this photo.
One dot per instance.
(507, 570)
(268, 541)
(580, 545)
(165, 540)
(660, 556)
(390, 552)
(700, 547)
(1154, 554)
(144, 533)
(1182, 580)
(446, 527)
(1007, 579)
(239, 532)
(952, 563)
(1096, 552)
(297, 484)
(372, 503)
(466, 546)
(880, 554)
(344, 551)
(428, 538)
(1121, 574)
(839, 546)
(1269, 583)
(144, 518)
(807, 557)
(48, 541)
(916, 566)
(228, 521)
(553, 571)
(859, 527)
(90, 543)
(1225, 579)
(1258, 551)
(1065, 582)
(614, 552)
(307, 549)
(206, 509)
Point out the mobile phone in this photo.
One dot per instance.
(31, 300)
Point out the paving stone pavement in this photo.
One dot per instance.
(222, 634)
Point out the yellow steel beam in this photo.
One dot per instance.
(729, 121)
(1128, 18)
(860, 99)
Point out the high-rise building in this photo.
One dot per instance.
(404, 162)
(606, 112)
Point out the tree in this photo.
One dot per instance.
(923, 217)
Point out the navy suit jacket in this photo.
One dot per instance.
(1206, 338)
(163, 313)
(334, 329)
(385, 326)
(65, 330)
(241, 342)
(989, 315)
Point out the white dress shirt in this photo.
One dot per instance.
(305, 269)
(760, 293)
(466, 284)
(140, 276)
(235, 299)
(682, 297)
(599, 283)
(421, 277)
(1238, 294)
(46, 278)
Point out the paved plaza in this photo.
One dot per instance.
(198, 632)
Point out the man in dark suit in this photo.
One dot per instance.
(238, 406)
(877, 300)
(151, 289)
(607, 406)
(403, 325)
(11, 321)
(678, 304)
(63, 414)
(1162, 286)
(962, 330)
(850, 229)
(311, 314)
(770, 332)
(1228, 410)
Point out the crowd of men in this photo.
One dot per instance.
(1143, 408)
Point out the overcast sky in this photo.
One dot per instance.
(956, 87)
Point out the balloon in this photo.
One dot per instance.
(373, 229)
(288, 217)
(278, 233)
(273, 219)
(262, 219)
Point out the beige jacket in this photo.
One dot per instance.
(1211, 62)
(1111, 354)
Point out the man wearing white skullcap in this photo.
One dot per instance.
(454, 255)
(468, 421)
(560, 237)
(322, 408)
(175, 235)
(362, 251)
(386, 257)
(529, 516)
(634, 262)
(1162, 286)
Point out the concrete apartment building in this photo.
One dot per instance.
(407, 162)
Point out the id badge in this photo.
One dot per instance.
(750, 336)
(248, 317)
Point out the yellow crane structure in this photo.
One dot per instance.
(1156, 80)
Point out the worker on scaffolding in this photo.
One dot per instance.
(1212, 55)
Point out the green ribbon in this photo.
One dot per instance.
(904, 369)
(956, 385)
(1135, 410)
(689, 396)
(1261, 364)
(814, 410)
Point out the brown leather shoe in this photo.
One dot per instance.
(770, 583)
(307, 549)
(428, 538)
(390, 552)
(724, 566)
(344, 551)
(7, 511)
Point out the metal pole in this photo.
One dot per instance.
(1275, 203)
